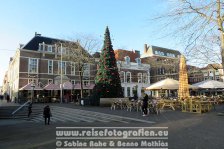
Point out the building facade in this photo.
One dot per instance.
(39, 62)
(213, 72)
(164, 62)
(134, 74)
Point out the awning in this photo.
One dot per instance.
(212, 84)
(52, 86)
(29, 87)
(167, 84)
(68, 85)
(78, 86)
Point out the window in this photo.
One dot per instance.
(72, 68)
(73, 82)
(159, 53)
(138, 60)
(50, 66)
(86, 70)
(122, 76)
(128, 77)
(170, 55)
(119, 65)
(159, 71)
(40, 47)
(127, 59)
(139, 77)
(62, 66)
(63, 50)
(33, 66)
(217, 78)
(49, 48)
(34, 81)
(211, 78)
(145, 78)
(86, 82)
(50, 81)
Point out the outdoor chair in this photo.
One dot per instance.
(117, 103)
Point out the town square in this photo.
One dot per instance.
(112, 74)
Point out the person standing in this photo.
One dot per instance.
(145, 105)
(47, 114)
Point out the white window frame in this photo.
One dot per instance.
(73, 68)
(127, 60)
(139, 77)
(138, 61)
(49, 48)
(122, 73)
(30, 64)
(52, 65)
(50, 80)
(59, 68)
(86, 69)
(127, 77)
(145, 78)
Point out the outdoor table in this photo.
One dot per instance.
(202, 106)
(168, 103)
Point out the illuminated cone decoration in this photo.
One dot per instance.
(183, 91)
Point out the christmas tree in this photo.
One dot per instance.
(107, 80)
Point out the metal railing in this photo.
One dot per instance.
(20, 107)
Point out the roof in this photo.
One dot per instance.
(167, 84)
(33, 44)
(210, 84)
(52, 87)
(120, 54)
(68, 85)
(155, 48)
(96, 55)
(213, 66)
(29, 87)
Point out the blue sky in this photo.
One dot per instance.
(128, 20)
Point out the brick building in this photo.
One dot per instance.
(38, 62)
(164, 62)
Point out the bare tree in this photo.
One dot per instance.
(199, 25)
(79, 54)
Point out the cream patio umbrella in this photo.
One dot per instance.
(183, 91)
(167, 84)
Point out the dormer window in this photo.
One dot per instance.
(63, 50)
(41, 46)
(119, 65)
(127, 59)
(49, 48)
(138, 60)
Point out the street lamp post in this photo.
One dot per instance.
(32, 93)
(61, 75)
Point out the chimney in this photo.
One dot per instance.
(36, 34)
(145, 48)
(137, 52)
(21, 45)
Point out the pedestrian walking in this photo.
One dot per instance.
(29, 109)
(7, 98)
(47, 114)
(145, 105)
